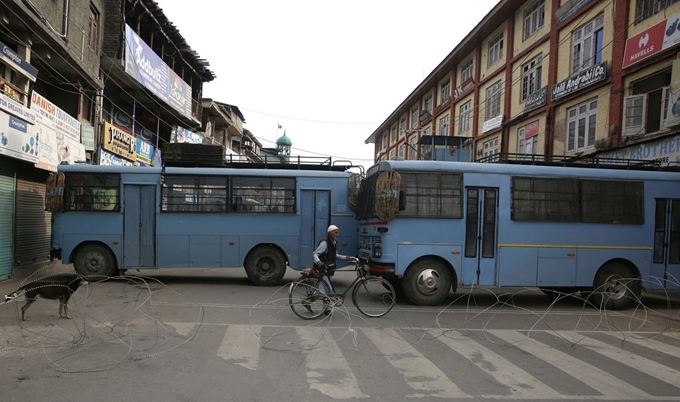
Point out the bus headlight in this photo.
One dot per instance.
(377, 251)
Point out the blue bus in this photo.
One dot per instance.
(108, 219)
(435, 225)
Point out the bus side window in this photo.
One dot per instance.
(402, 200)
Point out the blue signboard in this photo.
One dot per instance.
(144, 65)
(10, 57)
(144, 153)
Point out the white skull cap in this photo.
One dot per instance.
(332, 228)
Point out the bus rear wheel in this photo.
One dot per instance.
(615, 287)
(265, 266)
(427, 282)
(94, 260)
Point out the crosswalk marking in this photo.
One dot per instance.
(652, 343)
(420, 373)
(519, 382)
(654, 369)
(600, 380)
(241, 345)
(329, 371)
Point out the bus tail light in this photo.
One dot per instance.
(382, 230)
(377, 252)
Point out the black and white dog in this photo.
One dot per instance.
(53, 288)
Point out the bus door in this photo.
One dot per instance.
(666, 264)
(315, 213)
(481, 217)
(139, 226)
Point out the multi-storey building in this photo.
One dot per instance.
(98, 81)
(552, 78)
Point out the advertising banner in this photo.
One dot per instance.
(15, 61)
(17, 109)
(144, 65)
(87, 135)
(109, 159)
(119, 142)
(50, 115)
(55, 147)
(19, 139)
(663, 150)
(580, 80)
(651, 41)
(144, 153)
(184, 135)
(673, 116)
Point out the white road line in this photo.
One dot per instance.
(609, 386)
(651, 343)
(519, 383)
(420, 373)
(643, 364)
(241, 345)
(328, 370)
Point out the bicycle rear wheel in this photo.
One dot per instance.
(308, 298)
(374, 296)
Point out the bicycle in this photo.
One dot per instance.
(310, 297)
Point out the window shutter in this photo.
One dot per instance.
(634, 114)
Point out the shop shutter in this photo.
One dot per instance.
(33, 226)
(7, 170)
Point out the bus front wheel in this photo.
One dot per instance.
(265, 266)
(94, 260)
(427, 282)
(615, 287)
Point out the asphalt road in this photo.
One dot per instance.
(208, 335)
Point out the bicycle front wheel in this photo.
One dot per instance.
(374, 296)
(308, 298)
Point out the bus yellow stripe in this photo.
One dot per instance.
(576, 246)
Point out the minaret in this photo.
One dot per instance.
(283, 145)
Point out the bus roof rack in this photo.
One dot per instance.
(205, 155)
(585, 161)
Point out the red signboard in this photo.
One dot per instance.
(531, 129)
(645, 44)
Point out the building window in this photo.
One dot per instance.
(444, 125)
(490, 148)
(402, 127)
(402, 151)
(493, 100)
(534, 17)
(466, 70)
(393, 153)
(526, 145)
(414, 117)
(445, 92)
(646, 8)
(428, 103)
(531, 77)
(581, 126)
(412, 153)
(393, 135)
(465, 114)
(384, 143)
(495, 49)
(646, 110)
(93, 36)
(586, 45)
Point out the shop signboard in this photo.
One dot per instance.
(119, 142)
(18, 138)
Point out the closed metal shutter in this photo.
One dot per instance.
(7, 169)
(33, 226)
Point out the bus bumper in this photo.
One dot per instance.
(377, 268)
